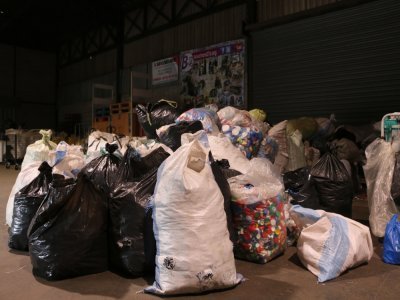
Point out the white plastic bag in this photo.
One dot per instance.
(97, 141)
(379, 175)
(222, 148)
(24, 177)
(39, 150)
(123, 142)
(264, 170)
(235, 117)
(67, 160)
(194, 253)
(151, 145)
(329, 243)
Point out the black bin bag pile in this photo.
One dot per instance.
(154, 115)
(327, 186)
(172, 136)
(102, 170)
(68, 235)
(131, 239)
(225, 189)
(333, 184)
(26, 203)
(300, 186)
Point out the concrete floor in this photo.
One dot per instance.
(283, 278)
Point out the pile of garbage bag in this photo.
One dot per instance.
(199, 190)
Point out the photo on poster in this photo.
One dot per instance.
(214, 75)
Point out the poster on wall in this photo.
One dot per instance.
(165, 70)
(214, 75)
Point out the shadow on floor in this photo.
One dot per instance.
(104, 284)
(296, 260)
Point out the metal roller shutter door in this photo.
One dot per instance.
(345, 62)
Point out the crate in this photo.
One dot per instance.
(102, 112)
(121, 123)
(102, 123)
(124, 119)
(119, 108)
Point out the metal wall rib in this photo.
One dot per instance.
(346, 62)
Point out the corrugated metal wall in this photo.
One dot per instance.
(6, 71)
(215, 28)
(346, 62)
(75, 87)
(76, 80)
(272, 9)
(75, 98)
(212, 29)
(7, 101)
(27, 86)
(99, 65)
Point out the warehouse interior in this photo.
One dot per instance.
(304, 89)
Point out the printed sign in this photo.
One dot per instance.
(215, 74)
(165, 70)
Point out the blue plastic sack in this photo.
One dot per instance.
(391, 244)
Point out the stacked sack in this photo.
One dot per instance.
(200, 189)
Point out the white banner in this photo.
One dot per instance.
(165, 70)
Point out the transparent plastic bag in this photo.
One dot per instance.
(258, 219)
(379, 175)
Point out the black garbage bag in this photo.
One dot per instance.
(127, 224)
(226, 170)
(68, 235)
(395, 190)
(172, 136)
(26, 204)
(132, 244)
(226, 192)
(333, 184)
(300, 186)
(102, 171)
(133, 166)
(154, 115)
(150, 246)
(341, 132)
